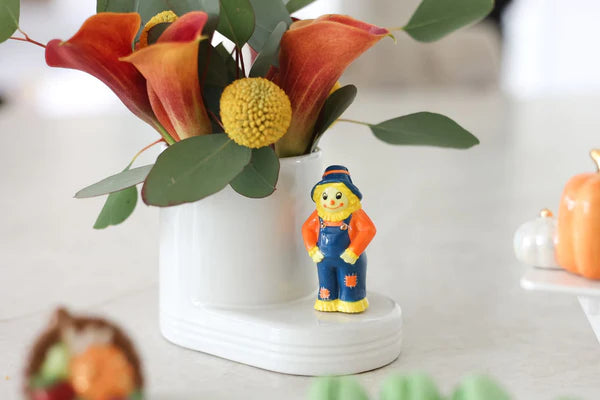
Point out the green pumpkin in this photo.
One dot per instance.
(415, 386)
(332, 388)
(478, 387)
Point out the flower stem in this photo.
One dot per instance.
(217, 121)
(165, 135)
(352, 121)
(144, 149)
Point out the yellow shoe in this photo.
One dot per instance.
(326, 305)
(352, 306)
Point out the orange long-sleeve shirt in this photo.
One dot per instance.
(361, 231)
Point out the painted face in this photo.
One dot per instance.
(333, 200)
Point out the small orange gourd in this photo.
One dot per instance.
(578, 237)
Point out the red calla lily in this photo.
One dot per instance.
(313, 56)
(158, 83)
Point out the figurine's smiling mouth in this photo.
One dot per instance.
(333, 208)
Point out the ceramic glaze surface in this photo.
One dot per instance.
(231, 251)
(335, 236)
(578, 241)
(534, 242)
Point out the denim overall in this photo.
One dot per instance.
(339, 279)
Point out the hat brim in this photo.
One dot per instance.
(327, 180)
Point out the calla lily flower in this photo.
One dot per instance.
(313, 56)
(158, 88)
(170, 67)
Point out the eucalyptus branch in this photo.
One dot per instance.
(142, 150)
(352, 121)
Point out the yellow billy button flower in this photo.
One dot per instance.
(160, 18)
(255, 112)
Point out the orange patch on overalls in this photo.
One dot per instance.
(324, 293)
(350, 280)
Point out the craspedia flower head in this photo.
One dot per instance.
(255, 112)
(160, 18)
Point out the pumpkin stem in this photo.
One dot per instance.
(546, 213)
(595, 154)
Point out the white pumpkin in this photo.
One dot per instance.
(534, 241)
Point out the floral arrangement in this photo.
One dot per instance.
(224, 122)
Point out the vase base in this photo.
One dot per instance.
(293, 338)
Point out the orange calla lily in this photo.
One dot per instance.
(313, 56)
(170, 67)
(158, 83)
(96, 49)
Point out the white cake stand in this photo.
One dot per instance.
(291, 338)
(561, 281)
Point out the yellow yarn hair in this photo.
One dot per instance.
(353, 200)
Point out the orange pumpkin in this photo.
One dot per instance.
(578, 238)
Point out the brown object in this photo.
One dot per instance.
(52, 335)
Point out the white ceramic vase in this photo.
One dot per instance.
(236, 282)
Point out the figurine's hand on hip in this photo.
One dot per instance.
(349, 256)
(316, 254)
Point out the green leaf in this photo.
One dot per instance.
(157, 30)
(236, 20)
(334, 107)
(295, 5)
(336, 388)
(434, 19)
(259, 177)
(270, 52)
(118, 207)
(268, 15)
(9, 18)
(415, 386)
(220, 70)
(478, 388)
(193, 169)
(149, 8)
(210, 7)
(114, 183)
(424, 129)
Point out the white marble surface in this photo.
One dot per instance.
(444, 246)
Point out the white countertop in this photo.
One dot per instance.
(444, 217)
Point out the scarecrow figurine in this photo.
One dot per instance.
(336, 235)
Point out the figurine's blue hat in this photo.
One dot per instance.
(337, 174)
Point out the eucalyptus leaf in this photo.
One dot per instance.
(478, 388)
(114, 183)
(236, 20)
(9, 18)
(295, 5)
(434, 19)
(259, 177)
(193, 169)
(118, 207)
(149, 8)
(270, 52)
(268, 15)
(334, 107)
(424, 129)
(157, 30)
(217, 69)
